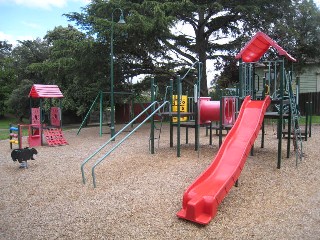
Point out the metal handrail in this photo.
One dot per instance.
(126, 137)
(111, 139)
(88, 113)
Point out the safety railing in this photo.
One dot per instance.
(120, 142)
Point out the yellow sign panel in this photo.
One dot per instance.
(183, 107)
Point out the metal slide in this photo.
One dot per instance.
(202, 198)
(120, 142)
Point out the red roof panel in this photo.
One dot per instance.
(45, 91)
(258, 46)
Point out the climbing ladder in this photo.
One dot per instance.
(54, 137)
(295, 114)
(157, 124)
(157, 128)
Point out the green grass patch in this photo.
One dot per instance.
(4, 122)
(4, 127)
(314, 120)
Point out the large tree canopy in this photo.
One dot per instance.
(162, 38)
(152, 42)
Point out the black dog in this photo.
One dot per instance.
(23, 155)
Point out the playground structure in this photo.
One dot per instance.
(224, 110)
(16, 134)
(49, 126)
(278, 83)
(202, 198)
(204, 111)
(38, 127)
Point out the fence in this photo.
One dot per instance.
(313, 97)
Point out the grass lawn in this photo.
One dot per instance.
(4, 127)
(315, 120)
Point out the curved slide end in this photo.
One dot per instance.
(203, 196)
(199, 210)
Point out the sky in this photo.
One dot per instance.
(29, 19)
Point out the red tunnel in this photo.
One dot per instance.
(210, 110)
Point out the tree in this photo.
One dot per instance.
(7, 74)
(298, 32)
(29, 52)
(155, 44)
(77, 64)
(18, 101)
(229, 75)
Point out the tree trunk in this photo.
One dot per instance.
(201, 47)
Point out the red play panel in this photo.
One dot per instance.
(258, 46)
(54, 137)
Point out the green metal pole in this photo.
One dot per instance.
(112, 131)
(307, 121)
(263, 97)
(118, 133)
(152, 118)
(118, 144)
(88, 113)
(112, 128)
(263, 132)
(280, 121)
(197, 119)
(240, 78)
(178, 115)
(171, 122)
(101, 112)
(197, 125)
(289, 133)
(132, 110)
(310, 119)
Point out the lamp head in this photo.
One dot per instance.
(121, 20)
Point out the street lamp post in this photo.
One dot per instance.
(121, 21)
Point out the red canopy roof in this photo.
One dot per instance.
(258, 46)
(45, 91)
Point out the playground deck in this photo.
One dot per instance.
(138, 194)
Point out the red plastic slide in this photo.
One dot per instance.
(202, 198)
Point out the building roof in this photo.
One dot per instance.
(45, 91)
(258, 46)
